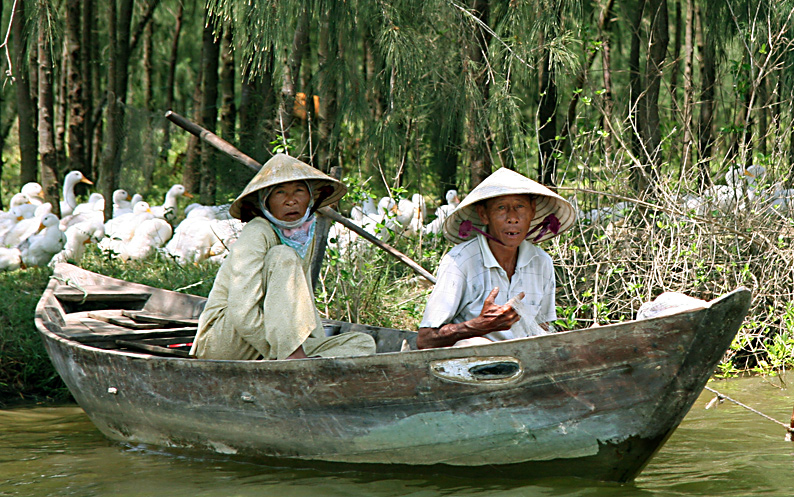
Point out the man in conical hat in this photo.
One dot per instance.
(261, 305)
(496, 284)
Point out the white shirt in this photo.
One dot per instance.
(469, 272)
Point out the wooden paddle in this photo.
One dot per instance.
(230, 150)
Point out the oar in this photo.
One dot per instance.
(230, 150)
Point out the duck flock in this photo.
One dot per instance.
(31, 235)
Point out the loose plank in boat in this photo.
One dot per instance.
(101, 331)
(93, 293)
(148, 317)
(153, 349)
(114, 316)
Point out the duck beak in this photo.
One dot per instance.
(86, 180)
(41, 226)
(187, 194)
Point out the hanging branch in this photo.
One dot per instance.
(4, 45)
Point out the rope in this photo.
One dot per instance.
(722, 397)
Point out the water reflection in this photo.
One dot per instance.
(728, 451)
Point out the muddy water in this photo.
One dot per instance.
(724, 451)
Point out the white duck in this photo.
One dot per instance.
(194, 237)
(34, 191)
(126, 207)
(27, 227)
(69, 201)
(95, 203)
(9, 219)
(443, 211)
(120, 230)
(168, 210)
(39, 249)
(121, 202)
(10, 259)
(76, 241)
(149, 235)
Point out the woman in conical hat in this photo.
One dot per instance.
(261, 305)
(496, 284)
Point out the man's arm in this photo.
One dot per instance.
(492, 318)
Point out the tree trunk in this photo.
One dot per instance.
(228, 114)
(257, 110)
(291, 73)
(675, 64)
(327, 154)
(638, 173)
(49, 156)
(191, 172)
(689, 53)
(61, 107)
(28, 139)
(209, 111)
(118, 74)
(657, 50)
(77, 110)
(478, 136)
(87, 69)
(171, 81)
(708, 78)
(606, 62)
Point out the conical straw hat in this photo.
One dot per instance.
(548, 206)
(282, 168)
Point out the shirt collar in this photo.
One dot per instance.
(526, 252)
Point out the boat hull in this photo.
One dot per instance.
(594, 403)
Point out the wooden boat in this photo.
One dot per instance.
(594, 403)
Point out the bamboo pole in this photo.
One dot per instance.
(236, 154)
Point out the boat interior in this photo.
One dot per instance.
(141, 319)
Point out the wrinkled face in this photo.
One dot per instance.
(507, 218)
(289, 201)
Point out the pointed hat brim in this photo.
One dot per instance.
(506, 182)
(282, 168)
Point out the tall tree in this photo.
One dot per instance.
(118, 75)
(26, 110)
(209, 111)
(171, 79)
(88, 47)
(77, 98)
(49, 156)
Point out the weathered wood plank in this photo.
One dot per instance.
(114, 316)
(153, 349)
(93, 293)
(148, 317)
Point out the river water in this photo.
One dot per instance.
(723, 451)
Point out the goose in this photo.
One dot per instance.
(126, 207)
(120, 230)
(25, 207)
(121, 202)
(168, 210)
(9, 219)
(226, 231)
(76, 240)
(443, 212)
(149, 234)
(26, 228)
(39, 249)
(10, 259)
(366, 208)
(193, 237)
(95, 203)
(69, 201)
(34, 191)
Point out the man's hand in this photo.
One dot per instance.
(492, 318)
(495, 317)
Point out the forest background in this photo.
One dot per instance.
(630, 108)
